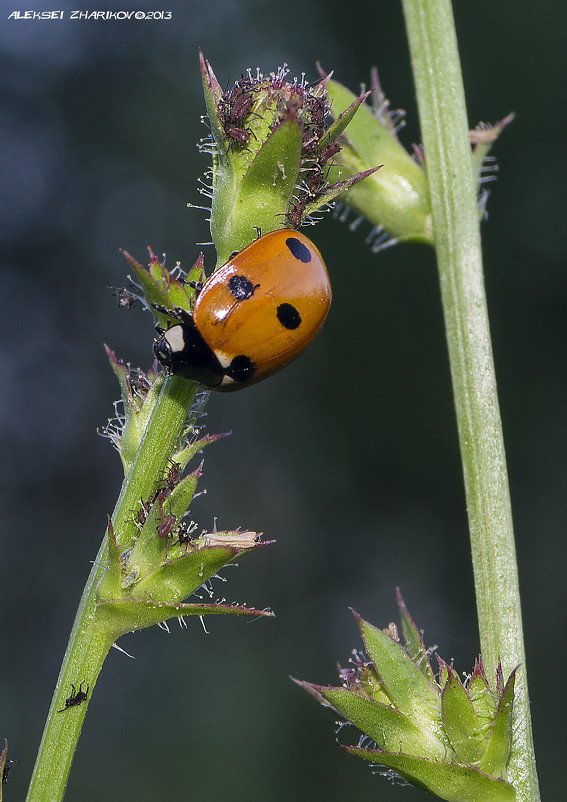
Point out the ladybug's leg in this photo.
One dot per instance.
(178, 314)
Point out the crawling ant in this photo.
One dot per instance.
(77, 697)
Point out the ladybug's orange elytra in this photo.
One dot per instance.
(253, 316)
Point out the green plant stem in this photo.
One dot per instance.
(444, 128)
(88, 643)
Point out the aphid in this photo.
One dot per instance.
(234, 109)
(173, 475)
(166, 526)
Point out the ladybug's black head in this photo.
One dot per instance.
(183, 351)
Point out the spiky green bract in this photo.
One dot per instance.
(482, 139)
(270, 148)
(396, 197)
(162, 291)
(145, 585)
(156, 556)
(153, 557)
(450, 738)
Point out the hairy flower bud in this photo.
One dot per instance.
(449, 737)
(271, 148)
(395, 199)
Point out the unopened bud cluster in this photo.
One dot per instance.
(271, 145)
(449, 737)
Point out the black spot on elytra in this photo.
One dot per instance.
(241, 368)
(298, 249)
(241, 287)
(288, 316)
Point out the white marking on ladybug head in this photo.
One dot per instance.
(174, 336)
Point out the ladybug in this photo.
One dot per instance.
(252, 317)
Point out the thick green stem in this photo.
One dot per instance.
(89, 643)
(444, 127)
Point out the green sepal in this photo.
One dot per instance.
(120, 616)
(137, 409)
(460, 722)
(192, 449)
(374, 142)
(178, 577)
(338, 126)
(500, 741)
(483, 138)
(182, 495)
(449, 781)
(170, 572)
(407, 687)
(212, 91)
(260, 199)
(388, 727)
(149, 550)
(484, 701)
(333, 191)
(161, 288)
(397, 196)
(146, 553)
(415, 645)
(451, 737)
(271, 155)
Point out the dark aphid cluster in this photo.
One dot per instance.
(311, 107)
(234, 108)
(170, 481)
(169, 526)
(254, 99)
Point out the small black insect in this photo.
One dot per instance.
(126, 298)
(185, 533)
(77, 697)
(8, 765)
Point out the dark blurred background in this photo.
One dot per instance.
(348, 458)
